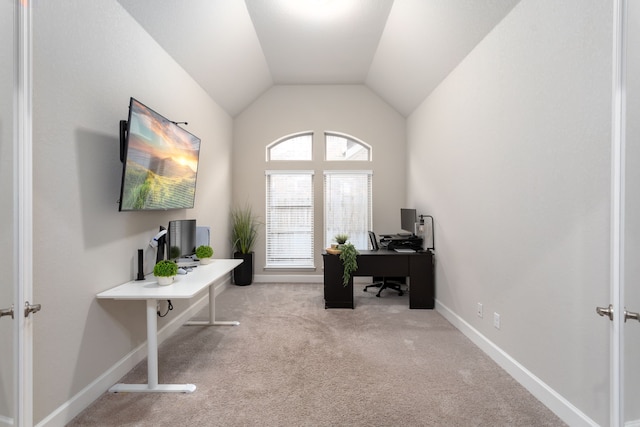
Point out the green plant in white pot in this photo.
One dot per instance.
(204, 254)
(165, 271)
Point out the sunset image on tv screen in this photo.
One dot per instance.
(161, 163)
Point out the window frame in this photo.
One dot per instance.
(286, 138)
(368, 147)
(361, 242)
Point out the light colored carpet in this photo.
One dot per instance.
(292, 362)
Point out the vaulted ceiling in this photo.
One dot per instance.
(236, 50)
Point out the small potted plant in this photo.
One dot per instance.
(165, 271)
(341, 239)
(204, 254)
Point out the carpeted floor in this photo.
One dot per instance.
(291, 362)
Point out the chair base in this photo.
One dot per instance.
(382, 285)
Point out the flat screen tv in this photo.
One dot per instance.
(160, 162)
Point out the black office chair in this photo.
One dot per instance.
(394, 283)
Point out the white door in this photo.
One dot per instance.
(630, 330)
(16, 303)
(624, 306)
(7, 253)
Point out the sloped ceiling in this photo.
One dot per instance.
(237, 50)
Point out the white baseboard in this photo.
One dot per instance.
(287, 278)
(6, 421)
(68, 410)
(549, 397)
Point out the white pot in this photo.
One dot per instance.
(163, 281)
(206, 261)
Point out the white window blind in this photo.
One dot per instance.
(289, 224)
(348, 206)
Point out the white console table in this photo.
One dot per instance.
(185, 286)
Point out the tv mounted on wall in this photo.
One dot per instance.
(160, 162)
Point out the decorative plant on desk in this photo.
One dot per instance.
(204, 254)
(341, 239)
(349, 261)
(165, 271)
(244, 233)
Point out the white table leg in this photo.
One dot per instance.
(152, 362)
(212, 314)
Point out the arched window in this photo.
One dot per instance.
(346, 195)
(291, 147)
(289, 215)
(345, 147)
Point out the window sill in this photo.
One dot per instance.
(290, 267)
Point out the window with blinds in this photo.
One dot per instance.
(289, 219)
(348, 206)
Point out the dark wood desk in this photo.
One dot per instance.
(417, 266)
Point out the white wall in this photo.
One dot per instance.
(353, 110)
(89, 58)
(511, 154)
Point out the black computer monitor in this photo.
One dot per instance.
(408, 219)
(181, 239)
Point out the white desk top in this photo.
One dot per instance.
(184, 286)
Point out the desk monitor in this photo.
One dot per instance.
(374, 241)
(408, 219)
(181, 239)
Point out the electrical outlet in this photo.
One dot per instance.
(479, 311)
(496, 320)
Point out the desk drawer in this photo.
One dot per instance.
(375, 265)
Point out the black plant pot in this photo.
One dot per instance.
(243, 274)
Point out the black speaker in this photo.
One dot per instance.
(140, 264)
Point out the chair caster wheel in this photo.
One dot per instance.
(364, 290)
(378, 295)
(400, 294)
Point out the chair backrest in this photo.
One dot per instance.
(374, 241)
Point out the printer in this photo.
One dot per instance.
(400, 241)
